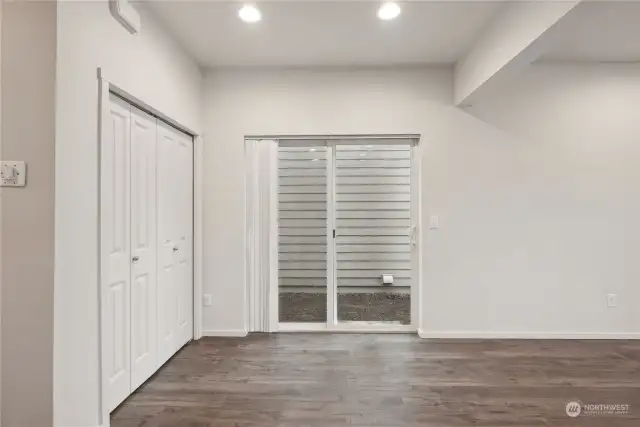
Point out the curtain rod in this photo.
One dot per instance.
(334, 137)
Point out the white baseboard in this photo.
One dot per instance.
(529, 335)
(225, 333)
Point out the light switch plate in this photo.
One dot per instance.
(13, 173)
(207, 300)
(434, 222)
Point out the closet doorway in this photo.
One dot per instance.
(146, 223)
(342, 247)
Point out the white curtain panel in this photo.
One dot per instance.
(261, 202)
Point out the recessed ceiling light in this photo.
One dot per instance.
(250, 13)
(389, 10)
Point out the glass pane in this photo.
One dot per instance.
(373, 223)
(302, 229)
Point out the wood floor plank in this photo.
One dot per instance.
(341, 380)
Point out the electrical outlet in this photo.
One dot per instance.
(207, 300)
(612, 300)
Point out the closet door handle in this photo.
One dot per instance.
(175, 249)
(414, 236)
(135, 259)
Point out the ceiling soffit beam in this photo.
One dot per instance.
(518, 35)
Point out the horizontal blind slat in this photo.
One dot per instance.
(302, 206)
(372, 240)
(344, 248)
(371, 214)
(375, 155)
(302, 172)
(310, 223)
(364, 231)
(370, 180)
(287, 231)
(317, 197)
(380, 188)
(303, 265)
(301, 164)
(300, 214)
(310, 189)
(371, 172)
(302, 256)
(374, 256)
(372, 223)
(373, 163)
(285, 247)
(372, 197)
(301, 155)
(374, 206)
(302, 181)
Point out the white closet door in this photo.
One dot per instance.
(175, 206)
(143, 247)
(116, 265)
(184, 238)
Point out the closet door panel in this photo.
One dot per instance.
(143, 248)
(184, 238)
(168, 191)
(116, 256)
(175, 237)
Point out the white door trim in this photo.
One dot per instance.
(332, 270)
(416, 225)
(105, 87)
(198, 243)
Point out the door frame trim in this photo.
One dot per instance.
(105, 87)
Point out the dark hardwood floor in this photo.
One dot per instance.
(323, 380)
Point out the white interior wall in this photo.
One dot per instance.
(28, 110)
(154, 69)
(536, 202)
(573, 206)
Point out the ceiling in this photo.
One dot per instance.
(325, 33)
(604, 31)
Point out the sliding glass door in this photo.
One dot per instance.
(347, 254)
